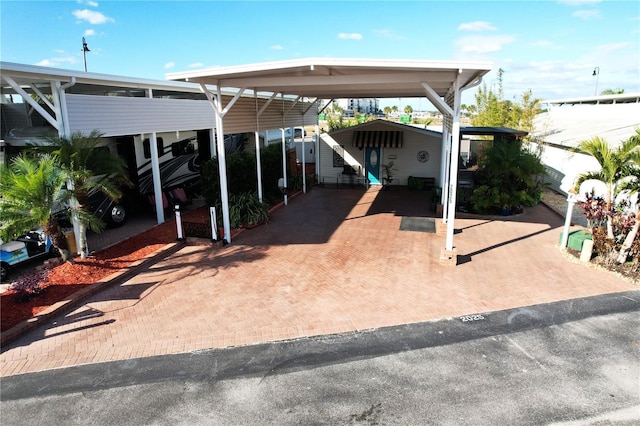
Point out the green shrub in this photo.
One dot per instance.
(246, 210)
(509, 176)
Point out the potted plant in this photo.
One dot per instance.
(387, 174)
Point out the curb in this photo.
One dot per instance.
(81, 295)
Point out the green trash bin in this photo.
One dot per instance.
(576, 239)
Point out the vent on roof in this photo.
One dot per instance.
(379, 138)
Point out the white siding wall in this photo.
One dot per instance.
(564, 166)
(405, 162)
(115, 116)
(242, 117)
(352, 156)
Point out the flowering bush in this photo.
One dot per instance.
(28, 285)
(622, 219)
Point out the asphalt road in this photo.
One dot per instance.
(572, 362)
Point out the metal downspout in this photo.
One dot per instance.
(65, 131)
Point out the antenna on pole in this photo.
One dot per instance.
(85, 49)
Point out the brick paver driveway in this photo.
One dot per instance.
(332, 261)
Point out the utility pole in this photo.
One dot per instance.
(85, 49)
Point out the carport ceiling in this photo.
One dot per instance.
(327, 78)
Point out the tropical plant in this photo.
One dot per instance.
(339, 123)
(508, 176)
(91, 168)
(246, 209)
(615, 165)
(387, 173)
(492, 110)
(31, 188)
(242, 176)
(623, 222)
(612, 92)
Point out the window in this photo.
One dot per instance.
(146, 146)
(183, 147)
(338, 156)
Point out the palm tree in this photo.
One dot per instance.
(31, 189)
(91, 168)
(615, 165)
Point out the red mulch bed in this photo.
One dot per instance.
(66, 279)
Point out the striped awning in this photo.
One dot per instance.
(377, 138)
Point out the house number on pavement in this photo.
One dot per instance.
(468, 318)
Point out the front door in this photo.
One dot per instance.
(372, 164)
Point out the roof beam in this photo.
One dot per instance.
(330, 80)
(436, 100)
(28, 99)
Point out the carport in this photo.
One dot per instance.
(328, 78)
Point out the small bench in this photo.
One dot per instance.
(351, 176)
(351, 180)
(418, 182)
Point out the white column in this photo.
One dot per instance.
(284, 166)
(257, 138)
(155, 172)
(222, 166)
(444, 172)
(258, 165)
(571, 201)
(304, 162)
(453, 175)
(316, 146)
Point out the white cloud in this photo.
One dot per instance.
(276, 47)
(476, 26)
(196, 65)
(586, 14)
(350, 36)
(92, 16)
(578, 2)
(545, 44)
(169, 65)
(88, 3)
(56, 62)
(89, 33)
(389, 34)
(613, 46)
(483, 44)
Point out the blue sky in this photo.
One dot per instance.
(548, 47)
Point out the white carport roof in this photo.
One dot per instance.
(32, 77)
(329, 78)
